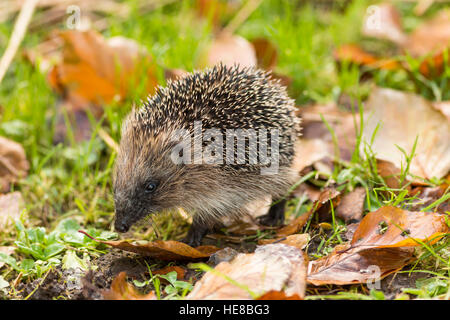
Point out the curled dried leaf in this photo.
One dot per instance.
(13, 163)
(164, 250)
(229, 49)
(122, 290)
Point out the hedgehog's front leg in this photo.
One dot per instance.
(275, 216)
(196, 233)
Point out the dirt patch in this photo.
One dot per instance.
(393, 284)
(76, 284)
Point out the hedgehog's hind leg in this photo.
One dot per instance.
(275, 216)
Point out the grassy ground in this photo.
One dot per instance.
(74, 179)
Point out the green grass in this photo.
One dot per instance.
(74, 180)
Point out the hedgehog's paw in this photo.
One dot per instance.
(275, 216)
(195, 234)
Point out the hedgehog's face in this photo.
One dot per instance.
(146, 181)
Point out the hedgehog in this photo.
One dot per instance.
(211, 143)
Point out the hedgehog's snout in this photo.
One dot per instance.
(121, 223)
(121, 226)
(123, 211)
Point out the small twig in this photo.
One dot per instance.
(17, 35)
(242, 15)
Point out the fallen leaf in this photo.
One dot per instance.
(122, 290)
(382, 244)
(266, 53)
(395, 227)
(351, 206)
(350, 266)
(98, 70)
(352, 53)
(403, 117)
(230, 50)
(341, 122)
(163, 250)
(383, 21)
(444, 107)
(304, 189)
(272, 267)
(310, 151)
(390, 174)
(433, 67)
(10, 208)
(174, 74)
(13, 163)
(179, 270)
(431, 36)
(426, 196)
(80, 124)
(278, 295)
(295, 240)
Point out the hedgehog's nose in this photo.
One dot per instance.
(121, 226)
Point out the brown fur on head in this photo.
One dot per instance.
(145, 179)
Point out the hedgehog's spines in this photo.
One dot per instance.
(224, 98)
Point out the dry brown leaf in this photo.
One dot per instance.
(383, 21)
(98, 70)
(230, 50)
(13, 163)
(10, 208)
(174, 74)
(273, 267)
(349, 266)
(309, 151)
(403, 117)
(321, 206)
(342, 122)
(312, 193)
(444, 107)
(295, 240)
(390, 174)
(351, 206)
(383, 243)
(354, 54)
(430, 37)
(394, 227)
(278, 295)
(79, 121)
(427, 196)
(433, 67)
(122, 290)
(163, 250)
(179, 270)
(266, 53)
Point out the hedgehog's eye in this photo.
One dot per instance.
(150, 187)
